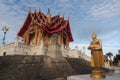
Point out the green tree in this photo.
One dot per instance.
(116, 58)
(109, 54)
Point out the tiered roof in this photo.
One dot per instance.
(56, 24)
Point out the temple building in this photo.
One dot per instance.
(42, 34)
(49, 32)
(38, 27)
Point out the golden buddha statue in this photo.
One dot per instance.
(97, 58)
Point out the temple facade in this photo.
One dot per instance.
(51, 33)
(42, 35)
(51, 30)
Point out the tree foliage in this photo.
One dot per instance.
(116, 58)
(109, 54)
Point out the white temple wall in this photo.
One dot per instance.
(73, 54)
(7, 49)
(18, 48)
(22, 49)
(37, 50)
(12, 49)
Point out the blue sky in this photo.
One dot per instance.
(86, 16)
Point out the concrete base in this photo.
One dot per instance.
(87, 77)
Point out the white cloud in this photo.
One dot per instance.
(112, 44)
(113, 50)
(105, 9)
(63, 1)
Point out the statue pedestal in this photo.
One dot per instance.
(97, 74)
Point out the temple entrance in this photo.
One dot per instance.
(32, 39)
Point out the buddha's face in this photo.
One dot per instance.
(94, 36)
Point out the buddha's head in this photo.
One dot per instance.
(94, 36)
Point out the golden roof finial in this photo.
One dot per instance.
(48, 13)
(35, 8)
(63, 16)
(39, 9)
(29, 8)
(58, 13)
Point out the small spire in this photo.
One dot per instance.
(63, 16)
(58, 13)
(35, 8)
(48, 13)
(29, 8)
(39, 9)
(49, 10)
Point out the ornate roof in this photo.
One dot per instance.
(50, 25)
